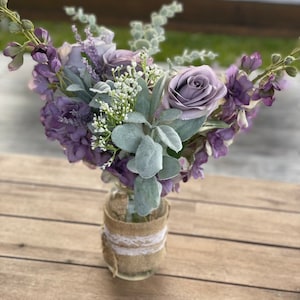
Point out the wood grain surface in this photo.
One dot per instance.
(229, 238)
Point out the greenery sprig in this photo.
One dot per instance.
(149, 36)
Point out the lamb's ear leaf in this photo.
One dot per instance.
(187, 128)
(127, 136)
(157, 94)
(148, 157)
(171, 168)
(146, 195)
(169, 137)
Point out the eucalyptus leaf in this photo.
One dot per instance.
(148, 157)
(187, 128)
(127, 137)
(146, 195)
(171, 168)
(169, 137)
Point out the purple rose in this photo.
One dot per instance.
(120, 58)
(94, 48)
(195, 91)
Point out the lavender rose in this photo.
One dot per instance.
(195, 91)
(71, 54)
(121, 58)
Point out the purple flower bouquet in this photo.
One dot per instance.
(148, 126)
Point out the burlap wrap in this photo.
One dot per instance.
(141, 246)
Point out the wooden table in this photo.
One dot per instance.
(229, 238)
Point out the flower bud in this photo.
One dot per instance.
(27, 24)
(276, 57)
(291, 71)
(14, 27)
(289, 59)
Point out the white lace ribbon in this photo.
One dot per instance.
(136, 245)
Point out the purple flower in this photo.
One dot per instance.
(120, 58)
(45, 54)
(239, 89)
(168, 186)
(41, 86)
(201, 158)
(119, 169)
(195, 91)
(218, 141)
(251, 62)
(94, 48)
(45, 79)
(67, 122)
(266, 91)
(15, 52)
(239, 86)
(43, 35)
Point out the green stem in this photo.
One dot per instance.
(27, 33)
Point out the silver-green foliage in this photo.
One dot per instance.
(149, 36)
(148, 136)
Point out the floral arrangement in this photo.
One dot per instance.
(150, 126)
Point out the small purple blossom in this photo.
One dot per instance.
(266, 90)
(45, 80)
(201, 157)
(239, 90)
(15, 52)
(218, 141)
(43, 35)
(250, 63)
(41, 86)
(239, 86)
(119, 169)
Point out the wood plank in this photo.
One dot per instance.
(27, 280)
(203, 219)
(190, 257)
(213, 189)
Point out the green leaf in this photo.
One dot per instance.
(131, 166)
(101, 88)
(146, 195)
(169, 137)
(187, 128)
(75, 88)
(171, 168)
(148, 157)
(136, 117)
(127, 137)
(142, 104)
(213, 124)
(169, 115)
(157, 94)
